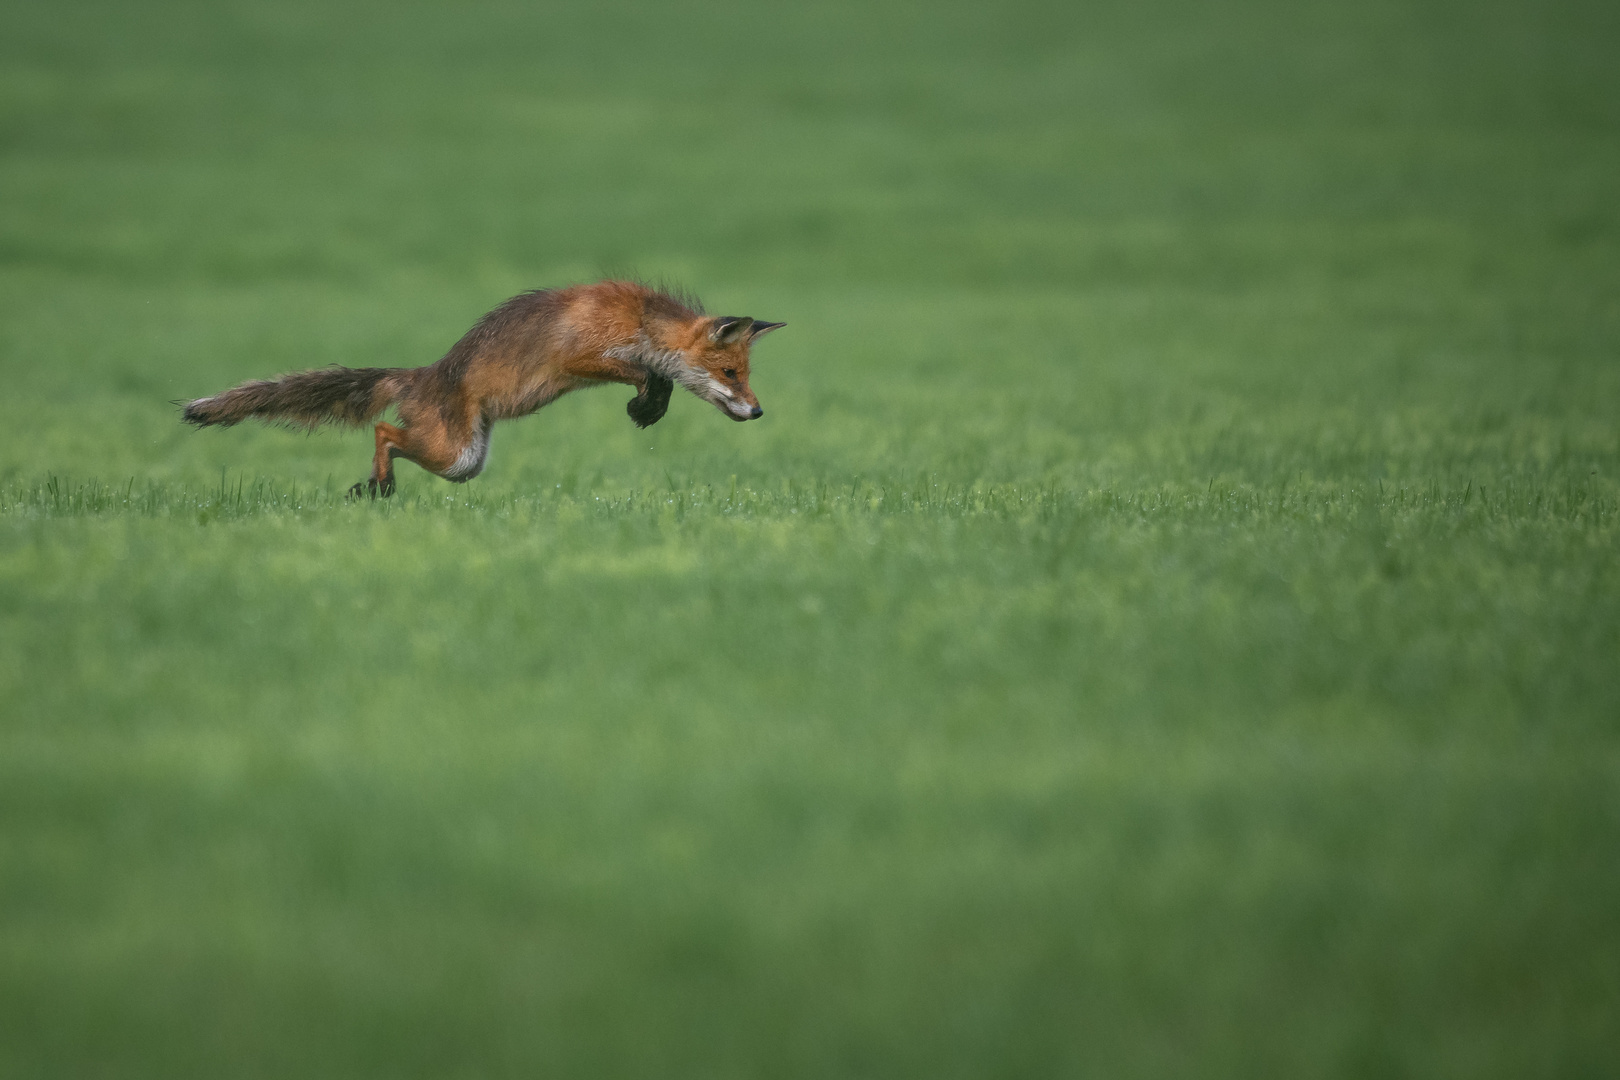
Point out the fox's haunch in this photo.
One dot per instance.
(341, 395)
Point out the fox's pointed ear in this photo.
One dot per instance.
(762, 328)
(730, 328)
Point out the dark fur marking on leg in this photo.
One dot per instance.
(649, 406)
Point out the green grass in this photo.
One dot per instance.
(1166, 623)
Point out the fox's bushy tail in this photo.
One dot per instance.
(338, 395)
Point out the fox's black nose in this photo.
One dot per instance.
(757, 413)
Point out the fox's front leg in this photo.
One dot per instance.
(652, 389)
(650, 404)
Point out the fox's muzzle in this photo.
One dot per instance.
(740, 410)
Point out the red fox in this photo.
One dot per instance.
(523, 355)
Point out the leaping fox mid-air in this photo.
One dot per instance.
(523, 355)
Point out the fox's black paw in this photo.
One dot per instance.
(373, 488)
(649, 406)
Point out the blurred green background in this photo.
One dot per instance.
(1165, 624)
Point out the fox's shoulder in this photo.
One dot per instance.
(619, 310)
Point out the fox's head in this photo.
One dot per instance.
(713, 362)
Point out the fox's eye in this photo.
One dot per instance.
(730, 373)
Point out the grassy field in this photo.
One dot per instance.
(1166, 624)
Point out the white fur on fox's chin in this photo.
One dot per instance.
(723, 396)
(729, 401)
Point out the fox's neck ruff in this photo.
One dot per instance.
(670, 363)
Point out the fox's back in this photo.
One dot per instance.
(560, 326)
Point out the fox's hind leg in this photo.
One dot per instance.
(431, 443)
(390, 441)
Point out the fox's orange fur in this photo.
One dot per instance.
(521, 356)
